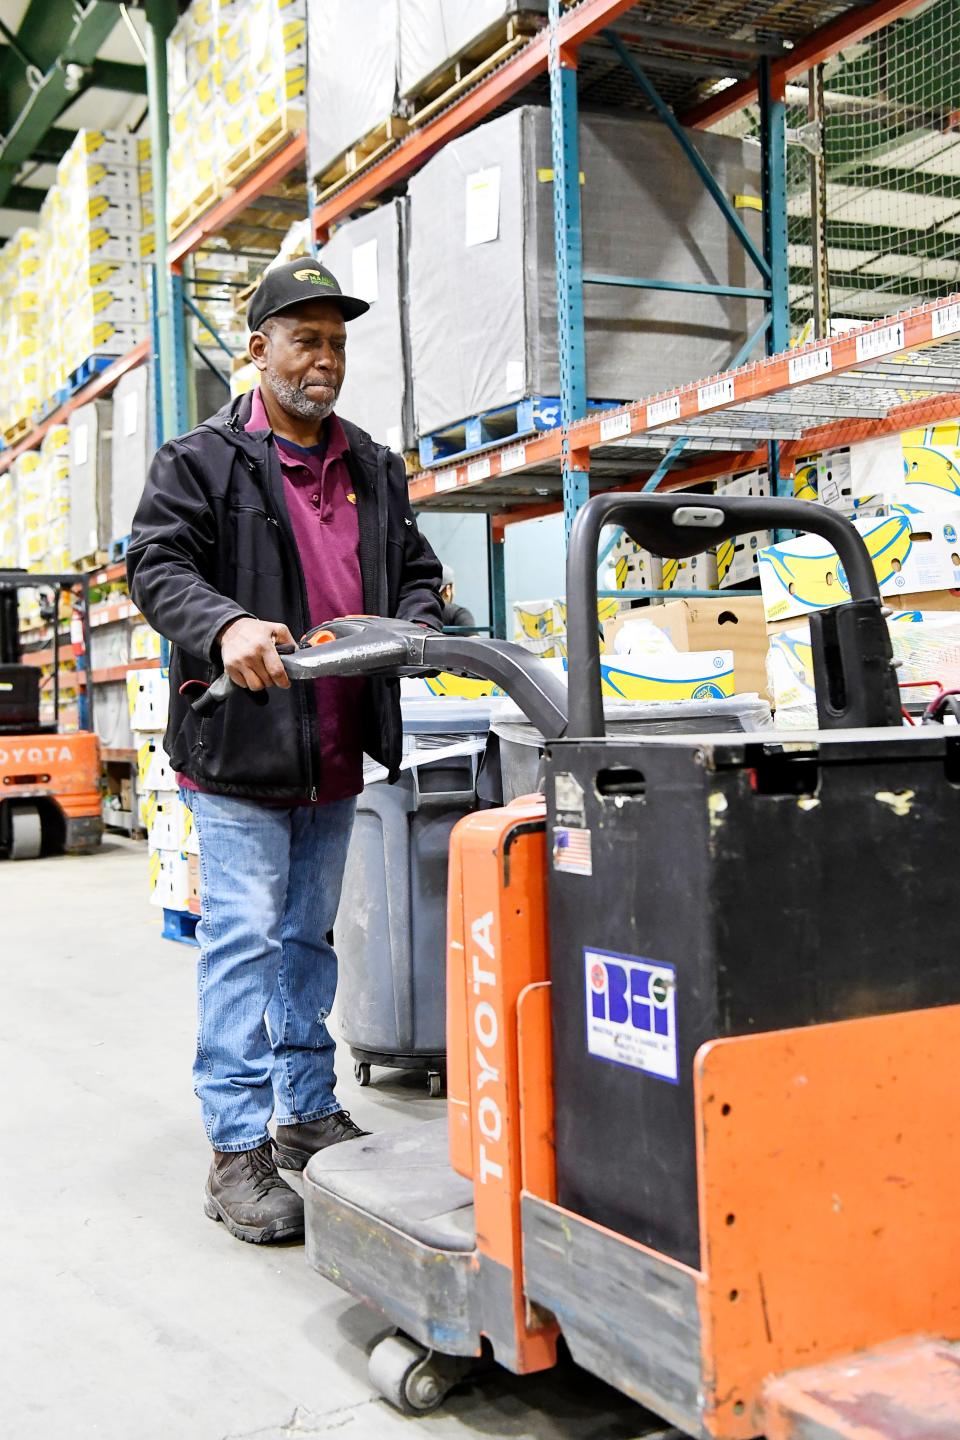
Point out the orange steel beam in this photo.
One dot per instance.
(914, 415)
(857, 24)
(778, 373)
(100, 383)
(279, 165)
(577, 25)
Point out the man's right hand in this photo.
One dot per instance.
(249, 650)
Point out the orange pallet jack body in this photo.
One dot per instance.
(828, 1173)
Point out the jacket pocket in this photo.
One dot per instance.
(256, 540)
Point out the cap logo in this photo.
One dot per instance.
(314, 276)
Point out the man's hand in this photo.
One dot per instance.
(249, 650)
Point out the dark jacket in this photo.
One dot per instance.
(212, 541)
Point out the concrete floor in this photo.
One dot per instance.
(125, 1313)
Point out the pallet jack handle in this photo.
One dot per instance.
(852, 655)
(372, 645)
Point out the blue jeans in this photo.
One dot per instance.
(270, 883)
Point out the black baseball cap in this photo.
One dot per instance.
(291, 284)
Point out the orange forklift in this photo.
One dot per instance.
(703, 1024)
(49, 781)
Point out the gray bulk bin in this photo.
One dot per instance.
(369, 258)
(132, 447)
(90, 478)
(391, 926)
(483, 310)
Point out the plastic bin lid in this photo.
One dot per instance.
(442, 715)
(739, 712)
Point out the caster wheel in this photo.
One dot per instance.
(361, 1072)
(435, 1084)
(401, 1371)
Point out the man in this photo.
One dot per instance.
(272, 517)
(453, 614)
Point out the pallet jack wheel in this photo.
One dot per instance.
(435, 1084)
(361, 1072)
(414, 1380)
(26, 832)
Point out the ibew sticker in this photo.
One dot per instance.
(632, 1012)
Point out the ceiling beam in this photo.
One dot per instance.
(25, 126)
(857, 24)
(113, 75)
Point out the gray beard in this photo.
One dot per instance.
(294, 400)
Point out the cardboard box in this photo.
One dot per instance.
(708, 624)
(706, 675)
(162, 813)
(697, 572)
(153, 763)
(169, 879)
(911, 554)
(148, 693)
(738, 559)
(193, 884)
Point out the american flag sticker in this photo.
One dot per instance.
(572, 851)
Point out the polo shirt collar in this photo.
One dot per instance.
(337, 442)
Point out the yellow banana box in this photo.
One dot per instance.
(911, 553)
(697, 572)
(926, 643)
(698, 675)
(169, 879)
(738, 559)
(153, 767)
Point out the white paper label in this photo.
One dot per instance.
(513, 457)
(482, 209)
(366, 284)
(880, 342)
(719, 393)
(80, 446)
(659, 411)
(613, 426)
(478, 470)
(394, 438)
(946, 321)
(631, 1006)
(445, 480)
(129, 417)
(513, 377)
(809, 363)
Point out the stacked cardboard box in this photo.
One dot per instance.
(21, 331)
(540, 626)
(171, 838)
(9, 543)
(237, 78)
(91, 434)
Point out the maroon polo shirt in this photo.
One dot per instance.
(322, 505)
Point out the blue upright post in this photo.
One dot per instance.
(773, 136)
(183, 369)
(568, 238)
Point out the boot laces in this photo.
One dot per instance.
(262, 1168)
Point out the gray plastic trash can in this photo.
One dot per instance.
(521, 744)
(392, 923)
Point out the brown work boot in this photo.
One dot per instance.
(246, 1193)
(296, 1143)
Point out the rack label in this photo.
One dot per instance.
(659, 411)
(719, 393)
(444, 480)
(946, 321)
(478, 470)
(632, 1012)
(810, 363)
(513, 457)
(880, 342)
(613, 426)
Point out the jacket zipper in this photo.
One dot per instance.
(382, 529)
(306, 717)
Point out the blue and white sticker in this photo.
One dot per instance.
(632, 1012)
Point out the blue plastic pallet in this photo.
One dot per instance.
(180, 925)
(84, 373)
(496, 427)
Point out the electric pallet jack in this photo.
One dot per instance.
(703, 1020)
(49, 782)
